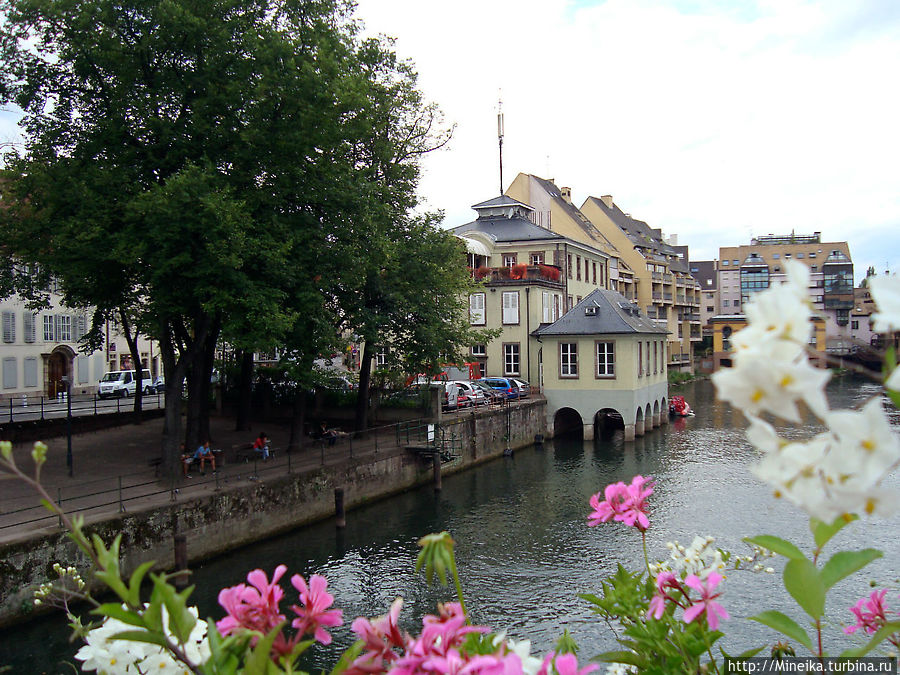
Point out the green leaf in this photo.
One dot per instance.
(152, 637)
(778, 545)
(260, 658)
(845, 563)
(181, 621)
(348, 657)
(784, 625)
(877, 639)
(116, 611)
(134, 584)
(823, 532)
(802, 581)
(630, 658)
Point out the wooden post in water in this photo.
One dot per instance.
(340, 516)
(436, 463)
(181, 560)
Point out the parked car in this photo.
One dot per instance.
(524, 387)
(123, 383)
(502, 384)
(474, 396)
(491, 395)
(159, 384)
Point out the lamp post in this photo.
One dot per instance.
(67, 380)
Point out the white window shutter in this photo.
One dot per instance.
(476, 308)
(511, 307)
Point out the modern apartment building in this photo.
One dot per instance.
(744, 270)
(706, 273)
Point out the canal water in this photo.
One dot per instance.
(523, 546)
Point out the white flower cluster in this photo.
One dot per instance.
(111, 656)
(620, 669)
(838, 471)
(700, 558)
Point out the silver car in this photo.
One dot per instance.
(523, 386)
(474, 395)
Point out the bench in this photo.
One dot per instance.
(155, 462)
(244, 452)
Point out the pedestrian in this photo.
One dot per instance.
(204, 454)
(261, 445)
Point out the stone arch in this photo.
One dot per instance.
(58, 365)
(663, 411)
(567, 420)
(607, 421)
(639, 422)
(656, 419)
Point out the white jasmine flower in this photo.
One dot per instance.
(620, 669)
(870, 449)
(886, 293)
(893, 381)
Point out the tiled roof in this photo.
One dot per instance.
(502, 200)
(640, 234)
(602, 312)
(501, 229)
(574, 212)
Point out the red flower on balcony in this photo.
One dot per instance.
(549, 272)
(518, 271)
(482, 272)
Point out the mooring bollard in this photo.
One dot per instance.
(340, 516)
(436, 463)
(181, 561)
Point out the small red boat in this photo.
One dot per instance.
(678, 407)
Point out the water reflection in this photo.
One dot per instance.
(523, 546)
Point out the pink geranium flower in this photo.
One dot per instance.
(624, 503)
(870, 614)
(253, 607)
(314, 614)
(564, 664)
(706, 604)
(664, 580)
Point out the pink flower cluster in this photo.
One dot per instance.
(624, 503)
(871, 615)
(671, 591)
(257, 607)
(438, 649)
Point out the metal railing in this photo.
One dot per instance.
(26, 408)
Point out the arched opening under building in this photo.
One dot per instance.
(567, 422)
(607, 422)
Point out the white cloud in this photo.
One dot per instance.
(711, 120)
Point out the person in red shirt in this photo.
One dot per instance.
(261, 445)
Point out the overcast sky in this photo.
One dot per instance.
(713, 120)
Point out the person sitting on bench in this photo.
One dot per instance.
(327, 434)
(261, 445)
(204, 454)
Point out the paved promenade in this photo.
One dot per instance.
(113, 471)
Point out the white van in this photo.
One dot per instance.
(122, 383)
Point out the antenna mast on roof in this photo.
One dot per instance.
(500, 137)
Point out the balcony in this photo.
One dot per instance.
(693, 318)
(658, 296)
(515, 275)
(667, 297)
(680, 299)
(656, 276)
(667, 277)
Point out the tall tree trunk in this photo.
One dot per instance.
(132, 340)
(365, 375)
(199, 373)
(174, 370)
(298, 420)
(245, 391)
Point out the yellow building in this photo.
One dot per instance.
(725, 326)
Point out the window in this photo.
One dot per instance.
(9, 326)
(577, 299)
(854, 325)
(594, 267)
(735, 262)
(569, 265)
(812, 255)
(568, 359)
(476, 309)
(549, 307)
(63, 328)
(509, 259)
(30, 371)
(511, 358)
(578, 267)
(799, 256)
(640, 358)
(813, 268)
(50, 329)
(655, 356)
(569, 303)
(10, 376)
(725, 263)
(479, 350)
(606, 359)
(647, 356)
(381, 358)
(536, 258)
(511, 307)
(710, 309)
(776, 256)
(28, 326)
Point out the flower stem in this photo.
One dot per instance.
(646, 557)
(459, 593)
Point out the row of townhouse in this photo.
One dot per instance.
(540, 256)
(40, 349)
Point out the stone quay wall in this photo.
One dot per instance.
(240, 515)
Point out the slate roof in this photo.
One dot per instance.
(614, 316)
(501, 229)
(640, 234)
(502, 200)
(706, 271)
(574, 212)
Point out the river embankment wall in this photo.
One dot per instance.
(239, 515)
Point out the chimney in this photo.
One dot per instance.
(607, 199)
(566, 193)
